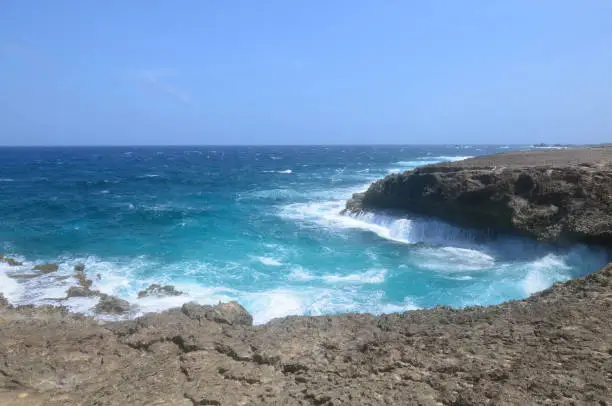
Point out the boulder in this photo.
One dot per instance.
(159, 290)
(79, 267)
(3, 301)
(46, 268)
(111, 305)
(226, 313)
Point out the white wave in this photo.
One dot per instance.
(372, 276)
(444, 158)
(150, 175)
(9, 286)
(269, 261)
(6, 180)
(286, 171)
(282, 302)
(408, 231)
(454, 259)
(543, 272)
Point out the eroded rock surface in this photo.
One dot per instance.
(552, 348)
(558, 195)
(159, 290)
(111, 304)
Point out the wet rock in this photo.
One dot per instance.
(82, 279)
(46, 268)
(159, 290)
(79, 291)
(23, 275)
(10, 261)
(79, 267)
(111, 305)
(228, 313)
(3, 301)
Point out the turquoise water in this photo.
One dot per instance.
(260, 225)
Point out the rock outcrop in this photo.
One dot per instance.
(9, 261)
(558, 195)
(46, 268)
(552, 348)
(111, 305)
(159, 290)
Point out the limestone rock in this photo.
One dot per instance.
(112, 305)
(228, 313)
(46, 268)
(10, 261)
(550, 195)
(159, 290)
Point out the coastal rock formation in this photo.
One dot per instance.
(159, 290)
(111, 305)
(552, 348)
(46, 268)
(556, 195)
(9, 261)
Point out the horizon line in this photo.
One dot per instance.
(292, 145)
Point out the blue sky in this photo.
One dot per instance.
(305, 72)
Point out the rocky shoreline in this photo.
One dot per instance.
(552, 195)
(554, 347)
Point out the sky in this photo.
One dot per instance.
(305, 72)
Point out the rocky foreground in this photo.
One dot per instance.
(552, 348)
(553, 195)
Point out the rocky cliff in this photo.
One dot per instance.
(555, 195)
(552, 348)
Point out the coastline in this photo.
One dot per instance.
(551, 348)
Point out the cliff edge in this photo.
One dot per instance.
(553, 195)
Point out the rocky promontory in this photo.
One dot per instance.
(553, 195)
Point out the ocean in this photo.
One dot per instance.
(260, 225)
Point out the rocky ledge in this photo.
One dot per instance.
(552, 348)
(554, 195)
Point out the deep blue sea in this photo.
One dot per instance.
(260, 225)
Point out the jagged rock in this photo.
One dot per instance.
(228, 313)
(79, 267)
(558, 195)
(46, 268)
(10, 261)
(111, 305)
(159, 290)
(82, 279)
(3, 301)
(79, 291)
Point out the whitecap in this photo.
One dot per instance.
(287, 171)
(269, 261)
(454, 259)
(6, 180)
(543, 272)
(371, 276)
